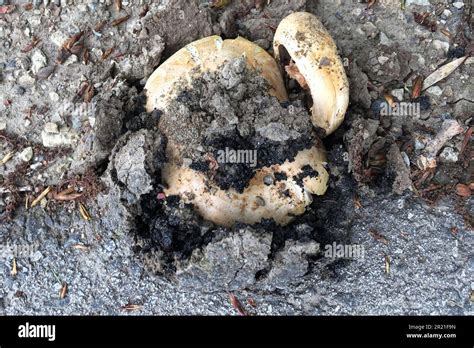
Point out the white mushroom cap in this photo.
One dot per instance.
(207, 55)
(315, 55)
(280, 201)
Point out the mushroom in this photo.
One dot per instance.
(207, 55)
(313, 59)
(280, 201)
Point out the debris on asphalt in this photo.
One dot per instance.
(40, 197)
(380, 237)
(449, 129)
(443, 72)
(234, 301)
(64, 290)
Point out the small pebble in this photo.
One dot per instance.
(45, 72)
(418, 145)
(268, 180)
(456, 52)
(38, 61)
(382, 59)
(27, 154)
(51, 127)
(36, 256)
(20, 90)
(446, 14)
(384, 40)
(378, 105)
(448, 155)
(434, 91)
(441, 45)
(406, 159)
(424, 101)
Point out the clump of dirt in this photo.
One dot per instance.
(231, 109)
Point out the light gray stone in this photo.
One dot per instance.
(38, 61)
(27, 154)
(448, 155)
(51, 127)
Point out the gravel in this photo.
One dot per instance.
(431, 269)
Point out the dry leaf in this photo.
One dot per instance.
(387, 264)
(371, 3)
(67, 48)
(85, 214)
(132, 307)
(144, 11)
(89, 93)
(31, 45)
(85, 56)
(63, 54)
(80, 92)
(80, 247)
(218, 4)
(377, 236)
(357, 202)
(294, 73)
(41, 196)
(445, 32)
(454, 231)
(463, 190)
(417, 86)
(7, 157)
(252, 302)
(120, 20)
(76, 49)
(442, 72)
(14, 271)
(99, 26)
(107, 53)
(72, 40)
(467, 138)
(64, 290)
(66, 195)
(425, 20)
(237, 305)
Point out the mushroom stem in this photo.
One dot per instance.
(314, 53)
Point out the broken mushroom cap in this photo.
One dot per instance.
(207, 55)
(314, 53)
(280, 201)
